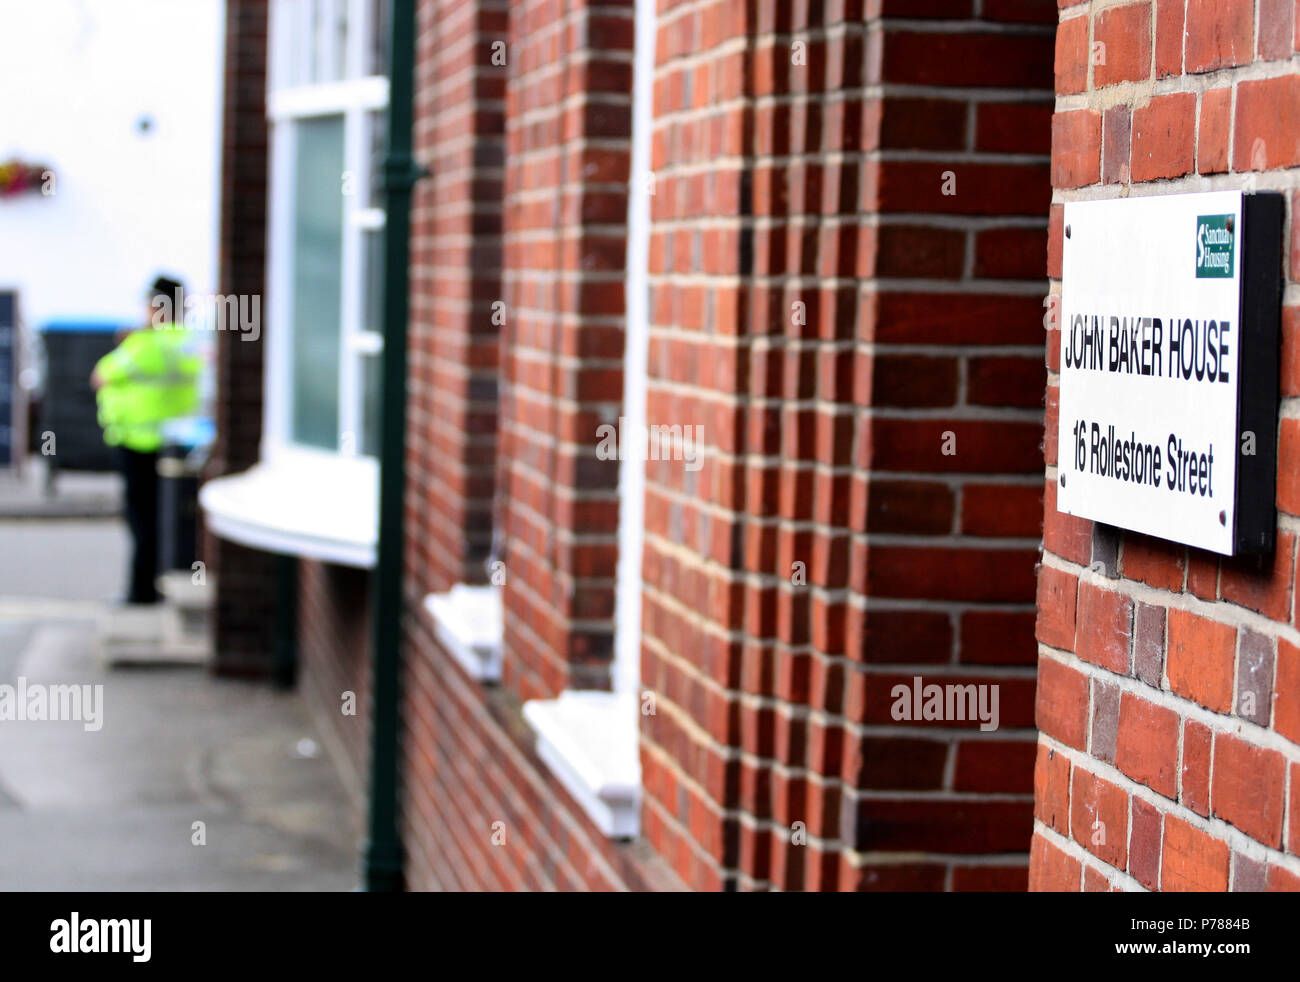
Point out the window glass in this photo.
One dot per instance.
(317, 265)
(381, 12)
(377, 129)
(372, 320)
(316, 28)
(373, 313)
(287, 43)
(372, 386)
(340, 67)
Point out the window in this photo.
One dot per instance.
(589, 739)
(328, 110)
(315, 490)
(314, 280)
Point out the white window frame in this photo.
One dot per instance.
(353, 98)
(302, 500)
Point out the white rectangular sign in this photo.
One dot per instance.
(1167, 399)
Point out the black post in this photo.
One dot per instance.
(383, 855)
(284, 664)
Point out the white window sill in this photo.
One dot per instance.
(589, 741)
(318, 506)
(467, 621)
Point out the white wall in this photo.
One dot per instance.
(75, 77)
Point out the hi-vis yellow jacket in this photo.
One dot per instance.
(151, 377)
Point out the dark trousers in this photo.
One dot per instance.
(141, 473)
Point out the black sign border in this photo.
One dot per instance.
(1255, 511)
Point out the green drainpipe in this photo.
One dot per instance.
(383, 853)
(284, 666)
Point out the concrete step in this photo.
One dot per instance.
(151, 635)
(193, 602)
(179, 588)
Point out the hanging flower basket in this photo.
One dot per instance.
(17, 177)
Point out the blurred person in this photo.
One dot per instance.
(152, 376)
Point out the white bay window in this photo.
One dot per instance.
(314, 491)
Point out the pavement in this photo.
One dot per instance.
(71, 494)
(188, 782)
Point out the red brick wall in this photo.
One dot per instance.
(694, 594)
(479, 810)
(334, 632)
(244, 615)
(829, 549)
(568, 124)
(824, 436)
(455, 278)
(1149, 650)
